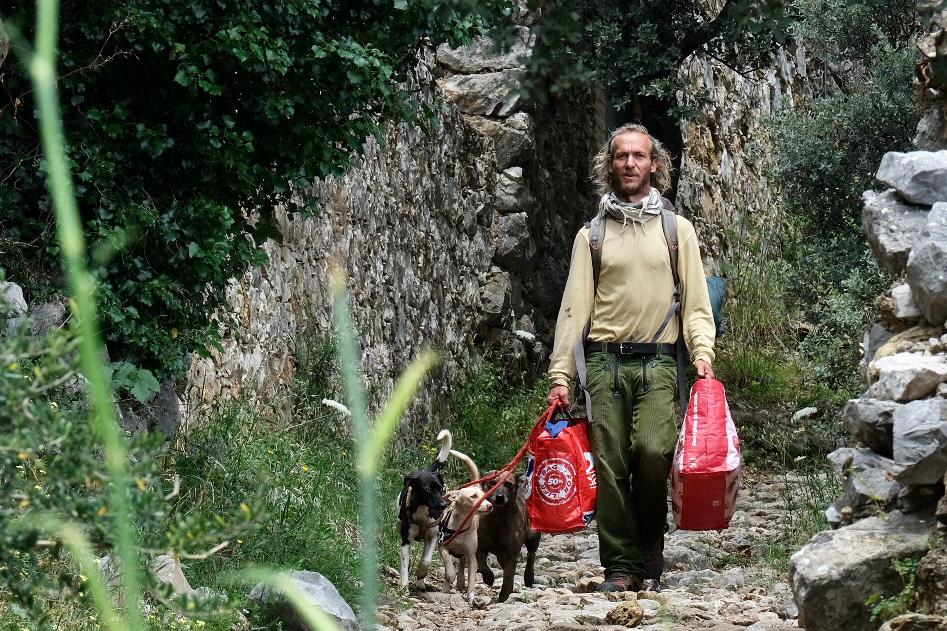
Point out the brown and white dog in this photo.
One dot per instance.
(421, 505)
(504, 532)
(459, 539)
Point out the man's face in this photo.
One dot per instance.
(631, 165)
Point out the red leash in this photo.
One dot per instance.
(505, 471)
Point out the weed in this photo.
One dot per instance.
(882, 608)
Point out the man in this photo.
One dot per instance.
(633, 424)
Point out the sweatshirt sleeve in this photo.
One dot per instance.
(699, 330)
(574, 312)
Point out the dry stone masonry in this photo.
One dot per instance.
(893, 507)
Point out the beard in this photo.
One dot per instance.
(629, 189)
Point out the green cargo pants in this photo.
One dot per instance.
(633, 433)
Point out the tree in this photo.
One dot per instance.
(187, 122)
(635, 49)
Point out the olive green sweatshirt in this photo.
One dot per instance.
(635, 291)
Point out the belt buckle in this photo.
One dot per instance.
(621, 348)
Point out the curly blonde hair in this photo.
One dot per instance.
(660, 179)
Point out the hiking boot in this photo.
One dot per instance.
(620, 583)
(652, 553)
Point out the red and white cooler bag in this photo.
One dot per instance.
(705, 475)
(561, 489)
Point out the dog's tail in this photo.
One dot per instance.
(471, 465)
(446, 440)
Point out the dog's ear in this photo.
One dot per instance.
(450, 496)
(410, 477)
(520, 479)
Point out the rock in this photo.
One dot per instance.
(515, 247)
(920, 441)
(482, 54)
(907, 376)
(166, 412)
(130, 421)
(588, 584)
(942, 390)
(904, 306)
(891, 227)
(931, 130)
(931, 582)
(909, 336)
(915, 622)
(511, 193)
(490, 94)
(870, 421)
(868, 480)
(833, 574)
(874, 339)
(926, 270)
(46, 317)
(12, 305)
(920, 177)
(627, 614)
(495, 296)
(318, 592)
(805, 414)
(512, 137)
(167, 571)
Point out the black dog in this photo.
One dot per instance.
(420, 506)
(503, 532)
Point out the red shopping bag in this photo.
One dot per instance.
(561, 489)
(705, 475)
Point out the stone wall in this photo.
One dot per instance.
(723, 186)
(894, 477)
(455, 236)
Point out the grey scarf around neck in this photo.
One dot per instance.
(635, 212)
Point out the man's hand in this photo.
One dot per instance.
(704, 371)
(560, 394)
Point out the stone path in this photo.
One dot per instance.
(703, 587)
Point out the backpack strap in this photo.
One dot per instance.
(596, 238)
(669, 223)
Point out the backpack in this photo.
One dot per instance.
(716, 285)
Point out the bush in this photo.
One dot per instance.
(187, 124)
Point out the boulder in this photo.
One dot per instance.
(512, 138)
(905, 308)
(515, 248)
(318, 591)
(931, 582)
(628, 614)
(869, 421)
(920, 441)
(495, 296)
(837, 570)
(891, 227)
(166, 411)
(46, 317)
(903, 341)
(868, 480)
(482, 55)
(915, 622)
(907, 376)
(512, 195)
(12, 305)
(926, 270)
(490, 94)
(874, 339)
(167, 571)
(920, 177)
(931, 130)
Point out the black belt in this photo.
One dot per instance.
(630, 348)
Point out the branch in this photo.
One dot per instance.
(704, 32)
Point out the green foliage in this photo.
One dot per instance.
(493, 417)
(825, 156)
(635, 49)
(882, 608)
(187, 124)
(51, 463)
